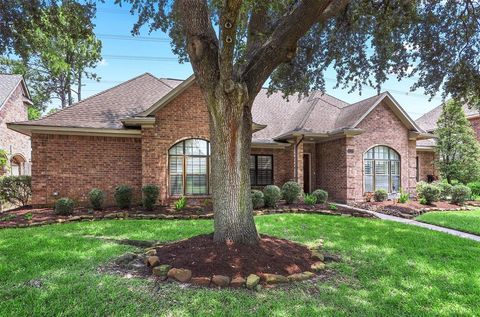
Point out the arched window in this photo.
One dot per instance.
(381, 169)
(189, 167)
(17, 165)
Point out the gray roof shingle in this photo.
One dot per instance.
(8, 83)
(428, 121)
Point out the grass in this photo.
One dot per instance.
(387, 269)
(467, 221)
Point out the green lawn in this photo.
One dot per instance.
(468, 221)
(388, 269)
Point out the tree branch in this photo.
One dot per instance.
(281, 45)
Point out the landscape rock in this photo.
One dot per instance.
(221, 280)
(252, 281)
(181, 275)
(151, 252)
(201, 281)
(274, 278)
(161, 270)
(300, 276)
(238, 282)
(153, 261)
(126, 258)
(318, 266)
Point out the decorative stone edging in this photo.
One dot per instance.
(126, 215)
(165, 272)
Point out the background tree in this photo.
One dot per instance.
(57, 49)
(458, 150)
(235, 46)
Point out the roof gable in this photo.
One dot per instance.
(8, 84)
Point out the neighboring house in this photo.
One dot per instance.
(155, 131)
(14, 100)
(426, 148)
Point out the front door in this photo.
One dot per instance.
(306, 173)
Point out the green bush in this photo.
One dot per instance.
(321, 195)
(332, 207)
(404, 197)
(460, 193)
(96, 197)
(291, 191)
(423, 201)
(150, 194)
(16, 190)
(310, 199)
(380, 195)
(123, 196)
(475, 188)
(272, 195)
(258, 201)
(64, 206)
(28, 216)
(181, 203)
(429, 192)
(445, 190)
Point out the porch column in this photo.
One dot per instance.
(298, 150)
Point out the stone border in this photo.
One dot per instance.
(164, 272)
(126, 215)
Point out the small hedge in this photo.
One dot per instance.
(96, 197)
(64, 206)
(321, 195)
(16, 190)
(310, 199)
(460, 193)
(258, 200)
(149, 196)
(427, 193)
(291, 191)
(123, 196)
(445, 190)
(272, 195)
(380, 195)
(475, 188)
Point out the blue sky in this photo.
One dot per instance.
(125, 57)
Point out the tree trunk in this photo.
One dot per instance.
(231, 131)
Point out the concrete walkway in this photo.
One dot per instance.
(418, 224)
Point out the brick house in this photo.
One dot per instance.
(155, 131)
(426, 148)
(14, 100)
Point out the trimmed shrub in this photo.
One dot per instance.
(96, 197)
(460, 193)
(123, 196)
(310, 199)
(64, 206)
(475, 188)
(429, 192)
(380, 195)
(272, 195)
(149, 196)
(16, 190)
(321, 195)
(445, 190)
(291, 191)
(181, 203)
(258, 201)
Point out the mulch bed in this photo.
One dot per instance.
(204, 257)
(408, 210)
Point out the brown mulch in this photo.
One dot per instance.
(204, 257)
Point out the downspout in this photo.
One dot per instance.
(295, 157)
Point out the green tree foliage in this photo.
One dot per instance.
(57, 49)
(457, 149)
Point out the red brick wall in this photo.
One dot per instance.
(380, 127)
(73, 165)
(425, 164)
(331, 165)
(282, 163)
(476, 126)
(11, 141)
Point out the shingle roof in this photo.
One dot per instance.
(428, 121)
(318, 113)
(8, 83)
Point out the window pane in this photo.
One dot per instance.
(368, 180)
(196, 184)
(196, 147)
(196, 165)
(252, 162)
(395, 184)
(261, 170)
(369, 154)
(394, 155)
(264, 162)
(368, 168)
(176, 165)
(381, 153)
(177, 149)
(395, 167)
(381, 167)
(381, 175)
(176, 184)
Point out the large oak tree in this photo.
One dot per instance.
(235, 46)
